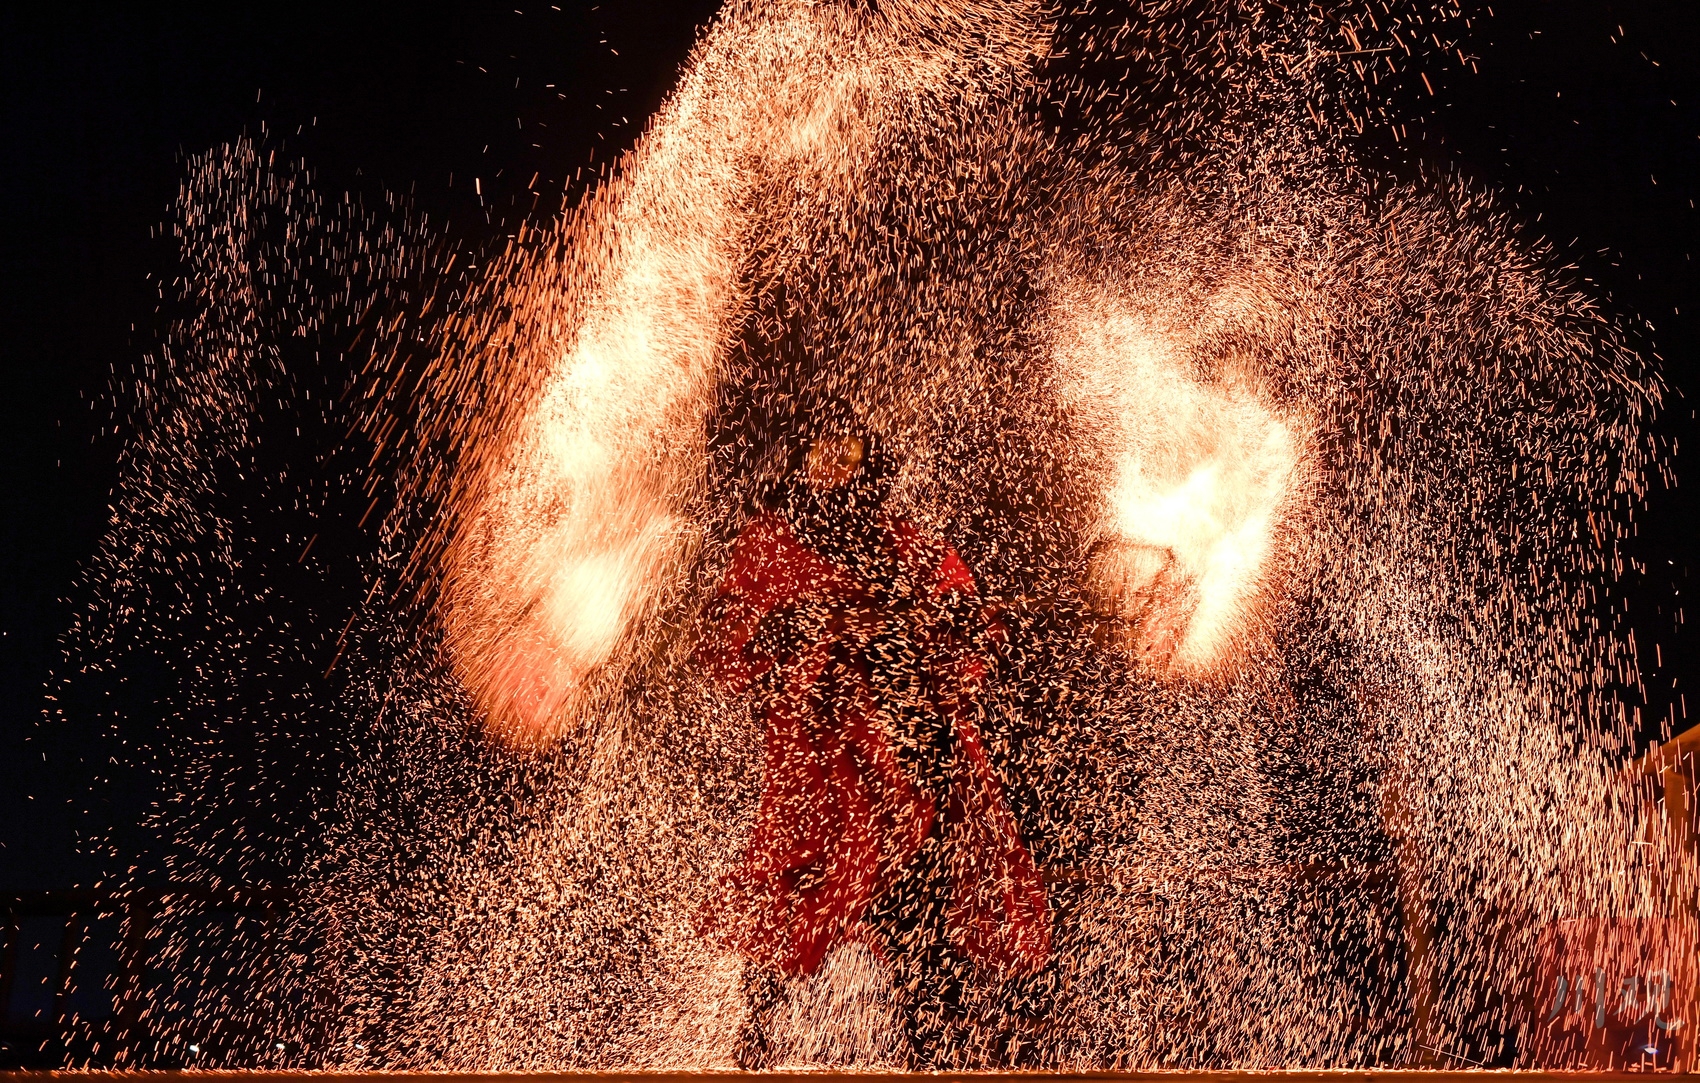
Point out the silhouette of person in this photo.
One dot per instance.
(881, 819)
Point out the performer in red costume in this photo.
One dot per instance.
(881, 818)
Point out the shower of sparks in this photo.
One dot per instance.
(1299, 492)
(580, 527)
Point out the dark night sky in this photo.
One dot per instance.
(1583, 112)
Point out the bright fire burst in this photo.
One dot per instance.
(1200, 477)
(582, 525)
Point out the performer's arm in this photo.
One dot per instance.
(746, 599)
(953, 606)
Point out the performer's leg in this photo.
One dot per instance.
(928, 973)
(1026, 1005)
(764, 988)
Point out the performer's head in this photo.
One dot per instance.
(833, 459)
(838, 480)
(840, 459)
(838, 473)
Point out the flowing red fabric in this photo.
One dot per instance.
(839, 818)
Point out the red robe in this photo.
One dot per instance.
(839, 818)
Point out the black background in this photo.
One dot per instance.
(1584, 115)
